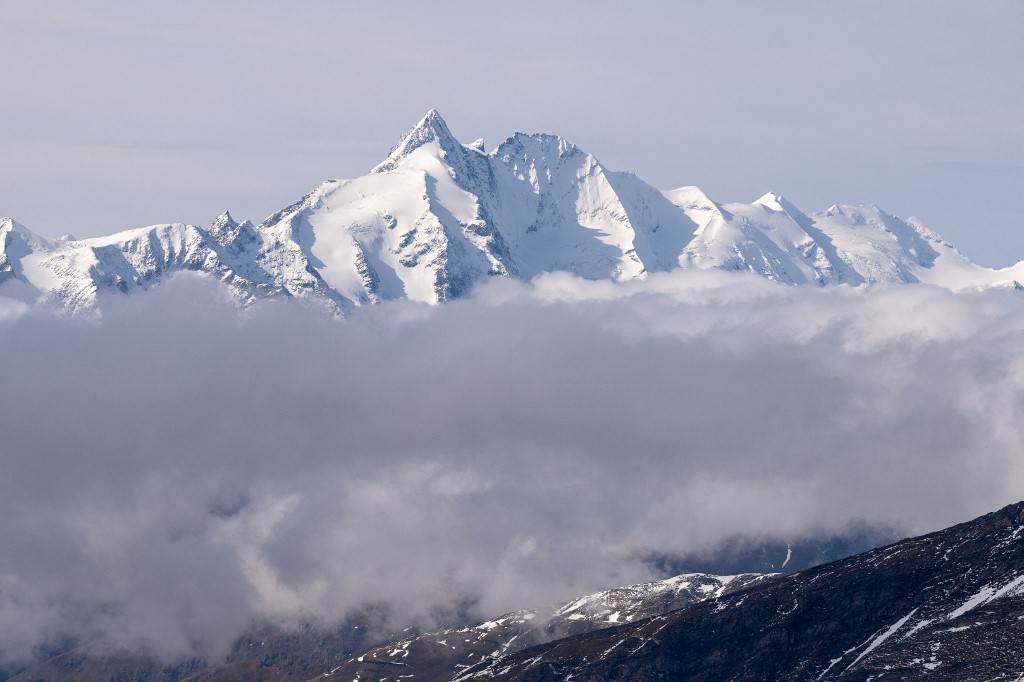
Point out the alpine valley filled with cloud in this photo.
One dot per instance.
(659, 394)
(475, 383)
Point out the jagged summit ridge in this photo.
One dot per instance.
(436, 217)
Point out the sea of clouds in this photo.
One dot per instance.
(178, 469)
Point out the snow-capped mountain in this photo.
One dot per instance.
(76, 273)
(438, 216)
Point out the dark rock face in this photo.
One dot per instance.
(944, 606)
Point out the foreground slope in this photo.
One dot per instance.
(437, 216)
(349, 650)
(944, 606)
(442, 654)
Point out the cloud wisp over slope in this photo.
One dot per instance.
(178, 469)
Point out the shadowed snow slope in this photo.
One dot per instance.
(436, 217)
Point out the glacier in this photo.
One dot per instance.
(437, 217)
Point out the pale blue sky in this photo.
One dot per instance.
(122, 114)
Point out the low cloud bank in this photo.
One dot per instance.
(178, 469)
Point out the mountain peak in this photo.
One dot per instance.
(776, 202)
(432, 117)
(431, 128)
(537, 146)
(771, 200)
(431, 124)
(8, 224)
(15, 241)
(224, 218)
